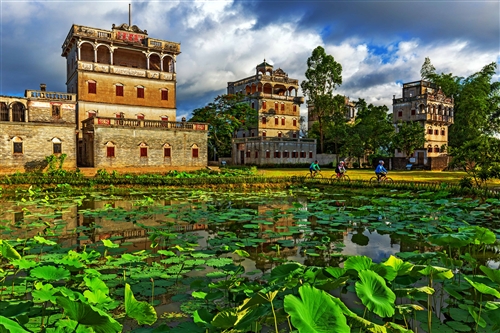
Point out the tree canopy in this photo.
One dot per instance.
(225, 116)
(323, 75)
(410, 136)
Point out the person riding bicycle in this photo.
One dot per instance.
(340, 169)
(314, 167)
(380, 171)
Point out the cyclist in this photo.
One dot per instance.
(314, 168)
(380, 171)
(340, 169)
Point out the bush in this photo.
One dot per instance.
(355, 165)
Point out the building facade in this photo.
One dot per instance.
(126, 87)
(350, 113)
(37, 125)
(425, 103)
(275, 137)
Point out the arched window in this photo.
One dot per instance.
(140, 91)
(92, 87)
(18, 112)
(282, 121)
(140, 116)
(143, 150)
(119, 89)
(4, 112)
(194, 151)
(17, 146)
(164, 94)
(436, 149)
(110, 149)
(91, 114)
(429, 149)
(167, 151)
(280, 134)
(276, 121)
(56, 146)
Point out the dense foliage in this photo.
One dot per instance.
(225, 116)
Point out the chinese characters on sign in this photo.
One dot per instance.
(129, 37)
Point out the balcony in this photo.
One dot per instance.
(90, 123)
(49, 95)
(123, 70)
(433, 117)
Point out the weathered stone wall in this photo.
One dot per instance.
(41, 111)
(37, 143)
(439, 163)
(128, 142)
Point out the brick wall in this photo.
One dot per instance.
(128, 142)
(36, 141)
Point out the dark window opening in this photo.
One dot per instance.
(140, 92)
(110, 151)
(144, 151)
(18, 147)
(195, 152)
(164, 95)
(119, 91)
(167, 152)
(57, 148)
(92, 87)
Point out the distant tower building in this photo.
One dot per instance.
(274, 138)
(125, 79)
(425, 103)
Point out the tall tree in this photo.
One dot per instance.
(410, 136)
(323, 75)
(427, 70)
(225, 116)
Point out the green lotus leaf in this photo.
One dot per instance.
(226, 318)
(315, 312)
(358, 263)
(143, 312)
(8, 325)
(481, 235)
(24, 263)
(109, 244)
(400, 266)
(95, 284)
(483, 289)
(87, 315)
(285, 271)
(477, 317)
(242, 253)
(385, 271)
(96, 297)
(437, 272)
(50, 273)
(374, 294)
(7, 251)
(492, 274)
(41, 240)
(457, 239)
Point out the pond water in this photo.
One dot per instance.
(311, 227)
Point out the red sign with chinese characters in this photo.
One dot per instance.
(129, 37)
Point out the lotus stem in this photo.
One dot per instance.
(275, 320)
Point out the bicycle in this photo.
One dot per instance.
(383, 179)
(314, 174)
(342, 178)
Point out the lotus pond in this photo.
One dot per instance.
(295, 260)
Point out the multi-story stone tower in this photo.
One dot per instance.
(426, 103)
(274, 138)
(274, 95)
(125, 84)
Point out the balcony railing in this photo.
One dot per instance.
(433, 117)
(50, 95)
(124, 70)
(273, 138)
(142, 123)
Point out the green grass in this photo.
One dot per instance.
(366, 174)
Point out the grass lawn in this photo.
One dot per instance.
(366, 174)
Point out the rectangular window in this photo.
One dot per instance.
(286, 154)
(413, 112)
(57, 148)
(144, 151)
(276, 121)
(436, 149)
(56, 111)
(279, 134)
(276, 106)
(295, 108)
(268, 154)
(248, 154)
(264, 134)
(119, 90)
(92, 87)
(18, 147)
(167, 152)
(310, 154)
(295, 154)
(263, 120)
(256, 154)
(429, 149)
(282, 106)
(443, 132)
(252, 134)
(140, 92)
(400, 113)
(277, 154)
(429, 131)
(294, 135)
(194, 152)
(164, 95)
(302, 154)
(110, 151)
(264, 105)
(244, 135)
(436, 132)
(295, 123)
(253, 105)
(283, 121)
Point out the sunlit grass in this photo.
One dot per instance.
(366, 174)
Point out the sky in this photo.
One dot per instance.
(380, 44)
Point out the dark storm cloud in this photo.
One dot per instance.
(384, 21)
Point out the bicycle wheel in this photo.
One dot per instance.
(389, 180)
(309, 176)
(345, 178)
(318, 175)
(374, 180)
